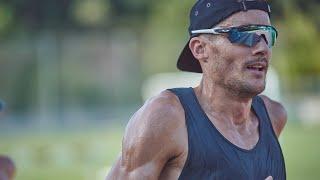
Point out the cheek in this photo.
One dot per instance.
(230, 64)
(226, 60)
(233, 69)
(226, 68)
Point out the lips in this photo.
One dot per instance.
(257, 66)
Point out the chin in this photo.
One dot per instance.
(260, 90)
(257, 90)
(245, 89)
(250, 90)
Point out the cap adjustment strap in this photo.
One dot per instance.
(243, 3)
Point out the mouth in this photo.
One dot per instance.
(260, 66)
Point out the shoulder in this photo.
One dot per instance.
(155, 131)
(277, 114)
(159, 112)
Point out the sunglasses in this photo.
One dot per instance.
(248, 35)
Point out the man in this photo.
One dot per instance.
(7, 168)
(220, 129)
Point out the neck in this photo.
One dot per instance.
(222, 104)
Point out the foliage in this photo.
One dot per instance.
(297, 53)
(148, 34)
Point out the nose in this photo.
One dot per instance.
(261, 48)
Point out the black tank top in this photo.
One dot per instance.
(212, 157)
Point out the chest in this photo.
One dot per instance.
(244, 135)
(217, 158)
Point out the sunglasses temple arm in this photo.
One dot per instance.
(205, 31)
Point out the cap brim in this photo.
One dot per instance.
(187, 62)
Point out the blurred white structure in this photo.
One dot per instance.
(308, 110)
(159, 82)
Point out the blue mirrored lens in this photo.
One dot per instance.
(244, 38)
(250, 37)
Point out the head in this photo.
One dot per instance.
(231, 57)
(234, 67)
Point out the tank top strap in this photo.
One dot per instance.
(189, 102)
(270, 134)
(183, 95)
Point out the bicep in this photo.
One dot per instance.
(141, 160)
(149, 142)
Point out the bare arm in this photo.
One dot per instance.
(150, 140)
(277, 113)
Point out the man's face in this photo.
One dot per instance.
(240, 69)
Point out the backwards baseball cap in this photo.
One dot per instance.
(208, 13)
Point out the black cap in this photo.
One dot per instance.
(208, 13)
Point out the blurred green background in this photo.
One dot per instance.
(73, 72)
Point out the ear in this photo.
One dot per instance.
(197, 46)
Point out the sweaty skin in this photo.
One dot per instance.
(155, 144)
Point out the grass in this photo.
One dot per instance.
(301, 149)
(68, 155)
(87, 155)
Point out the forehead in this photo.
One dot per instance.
(246, 18)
